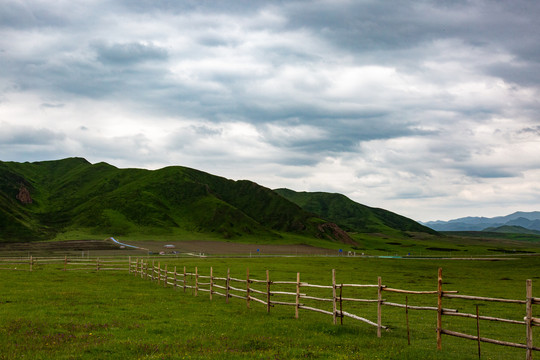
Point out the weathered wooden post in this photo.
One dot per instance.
(175, 279)
(166, 277)
(407, 319)
(146, 272)
(31, 263)
(247, 287)
(65, 263)
(379, 306)
(185, 279)
(158, 272)
(334, 305)
(297, 307)
(528, 319)
(267, 291)
(341, 304)
(211, 282)
(478, 332)
(227, 283)
(97, 264)
(196, 281)
(439, 309)
(144, 266)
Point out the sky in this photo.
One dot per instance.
(429, 109)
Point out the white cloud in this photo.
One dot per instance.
(427, 109)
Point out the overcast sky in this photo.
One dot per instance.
(430, 109)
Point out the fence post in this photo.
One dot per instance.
(175, 279)
(478, 332)
(166, 277)
(158, 272)
(65, 262)
(153, 270)
(247, 288)
(439, 309)
(227, 285)
(341, 304)
(407, 319)
(528, 319)
(297, 307)
(379, 306)
(31, 263)
(144, 265)
(97, 264)
(267, 291)
(185, 279)
(211, 281)
(146, 272)
(334, 305)
(196, 281)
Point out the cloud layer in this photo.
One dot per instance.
(426, 108)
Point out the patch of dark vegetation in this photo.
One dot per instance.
(513, 251)
(441, 249)
(505, 278)
(394, 243)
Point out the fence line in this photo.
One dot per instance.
(297, 298)
(529, 321)
(67, 263)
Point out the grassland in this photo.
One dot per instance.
(51, 314)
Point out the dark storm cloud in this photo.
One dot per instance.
(24, 135)
(129, 53)
(21, 15)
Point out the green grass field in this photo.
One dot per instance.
(51, 314)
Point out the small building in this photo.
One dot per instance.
(169, 246)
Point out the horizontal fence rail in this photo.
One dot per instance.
(67, 263)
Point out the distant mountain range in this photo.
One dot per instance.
(518, 222)
(41, 200)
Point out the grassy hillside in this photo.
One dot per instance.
(352, 216)
(72, 194)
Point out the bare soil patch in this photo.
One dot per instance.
(108, 247)
(230, 248)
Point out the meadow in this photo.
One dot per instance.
(52, 314)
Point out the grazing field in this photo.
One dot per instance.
(52, 314)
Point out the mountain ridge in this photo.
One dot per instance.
(527, 220)
(351, 215)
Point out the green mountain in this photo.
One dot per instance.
(352, 216)
(42, 199)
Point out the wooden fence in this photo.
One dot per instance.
(529, 321)
(249, 290)
(66, 263)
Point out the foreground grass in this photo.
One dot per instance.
(51, 314)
